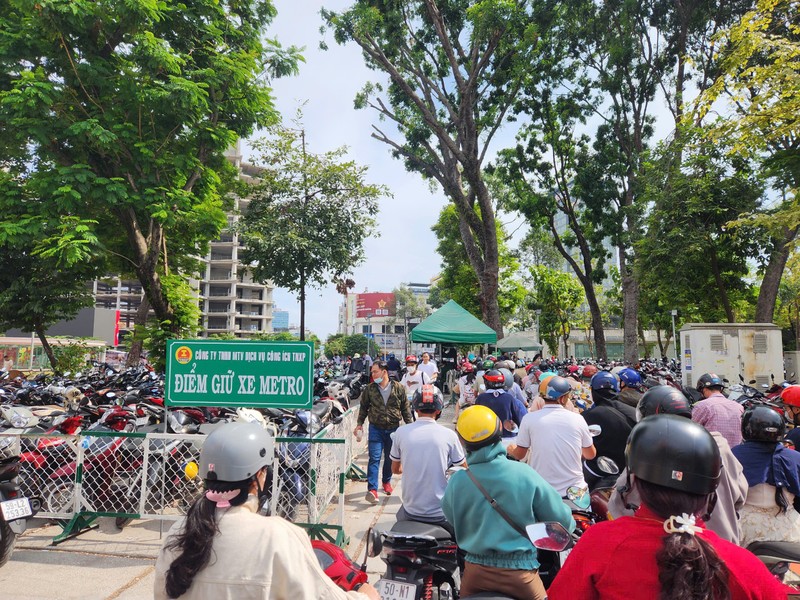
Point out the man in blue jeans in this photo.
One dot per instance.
(385, 403)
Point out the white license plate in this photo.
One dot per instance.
(16, 509)
(395, 590)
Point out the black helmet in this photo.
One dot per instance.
(663, 399)
(762, 424)
(494, 380)
(709, 380)
(428, 399)
(674, 452)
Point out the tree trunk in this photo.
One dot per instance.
(630, 311)
(139, 322)
(48, 350)
(723, 292)
(643, 339)
(302, 307)
(597, 322)
(768, 294)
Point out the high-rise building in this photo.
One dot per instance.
(230, 301)
(280, 320)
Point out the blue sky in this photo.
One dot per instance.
(328, 82)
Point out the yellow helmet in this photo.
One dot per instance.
(478, 426)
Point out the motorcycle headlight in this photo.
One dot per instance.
(19, 421)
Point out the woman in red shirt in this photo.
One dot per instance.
(664, 551)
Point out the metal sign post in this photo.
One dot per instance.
(247, 374)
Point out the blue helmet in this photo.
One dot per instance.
(557, 387)
(630, 377)
(605, 380)
(391, 355)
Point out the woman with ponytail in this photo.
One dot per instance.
(225, 550)
(664, 551)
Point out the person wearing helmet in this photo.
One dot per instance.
(665, 550)
(465, 388)
(484, 365)
(394, 367)
(502, 403)
(357, 365)
(615, 419)
(557, 439)
(732, 488)
(715, 412)
(385, 403)
(422, 452)
(790, 396)
(512, 387)
(773, 474)
(413, 379)
(630, 386)
(498, 558)
(203, 556)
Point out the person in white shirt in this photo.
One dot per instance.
(413, 379)
(422, 452)
(557, 439)
(428, 367)
(225, 550)
(466, 389)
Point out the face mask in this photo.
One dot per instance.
(412, 369)
(378, 379)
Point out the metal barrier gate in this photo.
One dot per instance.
(136, 475)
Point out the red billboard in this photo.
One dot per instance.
(375, 304)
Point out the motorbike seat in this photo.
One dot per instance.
(776, 551)
(418, 528)
(322, 409)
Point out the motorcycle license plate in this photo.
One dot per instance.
(395, 590)
(16, 509)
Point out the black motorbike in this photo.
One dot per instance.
(419, 557)
(15, 509)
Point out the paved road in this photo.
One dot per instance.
(106, 564)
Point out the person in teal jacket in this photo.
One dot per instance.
(498, 558)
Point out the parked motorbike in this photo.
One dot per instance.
(15, 508)
(419, 557)
(779, 557)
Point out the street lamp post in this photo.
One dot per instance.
(369, 328)
(674, 337)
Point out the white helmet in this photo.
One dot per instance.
(235, 452)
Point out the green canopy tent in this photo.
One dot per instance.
(520, 340)
(451, 324)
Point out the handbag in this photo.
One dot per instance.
(498, 508)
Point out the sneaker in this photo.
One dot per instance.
(372, 496)
(387, 488)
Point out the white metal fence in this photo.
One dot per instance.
(135, 475)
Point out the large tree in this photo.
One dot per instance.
(308, 217)
(454, 69)
(757, 88)
(122, 111)
(457, 279)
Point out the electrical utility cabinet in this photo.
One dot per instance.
(754, 350)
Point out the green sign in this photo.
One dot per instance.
(250, 374)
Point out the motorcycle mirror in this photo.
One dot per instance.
(579, 496)
(374, 543)
(725, 380)
(510, 426)
(548, 536)
(607, 465)
(752, 381)
(741, 378)
(595, 430)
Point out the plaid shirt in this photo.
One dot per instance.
(717, 413)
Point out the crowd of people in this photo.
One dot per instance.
(697, 482)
